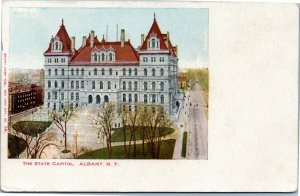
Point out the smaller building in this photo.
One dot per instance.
(182, 82)
(24, 97)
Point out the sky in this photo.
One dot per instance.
(30, 30)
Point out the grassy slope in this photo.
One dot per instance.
(166, 152)
(118, 135)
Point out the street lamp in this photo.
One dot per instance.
(75, 136)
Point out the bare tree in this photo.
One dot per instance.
(123, 114)
(156, 123)
(104, 123)
(61, 119)
(133, 119)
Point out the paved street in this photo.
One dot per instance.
(197, 125)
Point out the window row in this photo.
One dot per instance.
(56, 60)
(135, 98)
(153, 59)
(62, 96)
(153, 72)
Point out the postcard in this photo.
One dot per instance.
(147, 96)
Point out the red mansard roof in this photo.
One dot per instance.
(162, 38)
(64, 38)
(126, 54)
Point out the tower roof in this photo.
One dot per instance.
(63, 36)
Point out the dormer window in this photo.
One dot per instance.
(153, 42)
(103, 54)
(56, 45)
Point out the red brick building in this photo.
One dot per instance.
(24, 96)
(182, 82)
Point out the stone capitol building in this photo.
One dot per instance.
(100, 71)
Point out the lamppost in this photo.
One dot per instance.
(75, 136)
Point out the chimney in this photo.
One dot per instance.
(83, 41)
(92, 38)
(122, 38)
(73, 44)
(142, 39)
(168, 38)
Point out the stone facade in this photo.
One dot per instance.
(104, 71)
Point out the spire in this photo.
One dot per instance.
(154, 16)
(103, 40)
(62, 22)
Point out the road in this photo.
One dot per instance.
(197, 125)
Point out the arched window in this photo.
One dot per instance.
(108, 85)
(72, 96)
(103, 57)
(55, 84)
(129, 85)
(62, 72)
(95, 71)
(110, 72)
(77, 96)
(130, 98)
(153, 86)
(124, 85)
(153, 72)
(103, 72)
(93, 85)
(77, 84)
(54, 106)
(124, 97)
(62, 95)
(145, 72)
(56, 45)
(162, 72)
(82, 84)
(135, 85)
(106, 99)
(124, 72)
(130, 71)
(145, 86)
(153, 98)
(145, 99)
(49, 84)
(55, 72)
(82, 71)
(77, 72)
(162, 86)
(72, 84)
(55, 95)
(153, 43)
(162, 99)
(110, 56)
(135, 72)
(72, 72)
(135, 98)
(49, 72)
(95, 57)
(97, 99)
(101, 85)
(49, 95)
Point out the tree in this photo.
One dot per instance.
(103, 121)
(155, 122)
(61, 119)
(37, 138)
(123, 114)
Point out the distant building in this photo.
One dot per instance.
(182, 80)
(100, 71)
(24, 96)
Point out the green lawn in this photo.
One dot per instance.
(167, 148)
(118, 135)
(16, 145)
(184, 142)
(31, 128)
